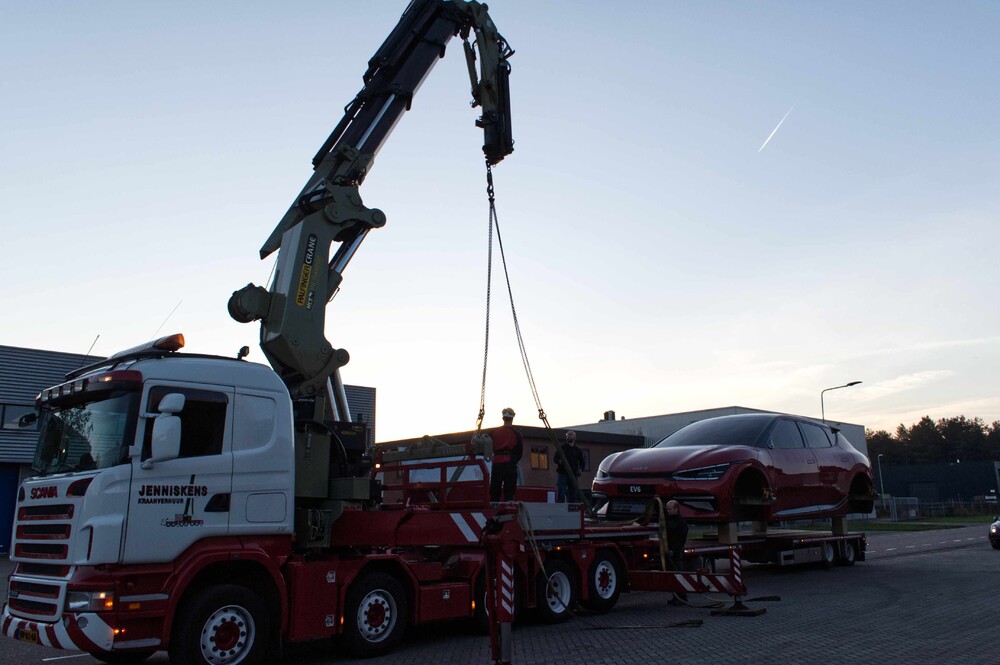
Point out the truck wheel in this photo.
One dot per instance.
(828, 554)
(557, 592)
(375, 615)
(849, 556)
(222, 625)
(604, 582)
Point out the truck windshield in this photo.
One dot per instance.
(92, 435)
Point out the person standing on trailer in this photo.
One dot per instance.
(568, 467)
(677, 532)
(508, 446)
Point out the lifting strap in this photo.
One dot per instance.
(494, 222)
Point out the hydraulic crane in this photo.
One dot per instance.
(329, 209)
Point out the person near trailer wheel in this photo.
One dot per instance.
(508, 446)
(677, 532)
(569, 464)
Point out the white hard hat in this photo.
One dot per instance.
(508, 412)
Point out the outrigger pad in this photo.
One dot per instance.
(738, 609)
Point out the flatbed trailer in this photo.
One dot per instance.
(782, 547)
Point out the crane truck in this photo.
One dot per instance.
(220, 509)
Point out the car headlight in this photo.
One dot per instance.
(713, 472)
(993, 528)
(90, 601)
(602, 474)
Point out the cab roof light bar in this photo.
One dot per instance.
(154, 348)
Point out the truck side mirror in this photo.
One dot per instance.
(166, 440)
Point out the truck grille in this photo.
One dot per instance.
(42, 536)
(35, 600)
(41, 570)
(43, 532)
(48, 512)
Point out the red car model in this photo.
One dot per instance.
(763, 467)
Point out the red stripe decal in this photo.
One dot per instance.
(79, 639)
(53, 640)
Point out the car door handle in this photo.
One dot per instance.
(810, 461)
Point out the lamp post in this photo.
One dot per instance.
(823, 406)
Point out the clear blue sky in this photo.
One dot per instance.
(661, 260)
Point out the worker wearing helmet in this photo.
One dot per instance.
(508, 445)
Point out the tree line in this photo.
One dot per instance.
(928, 442)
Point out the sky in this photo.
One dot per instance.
(668, 249)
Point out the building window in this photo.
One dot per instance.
(539, 458)
(586, 459)
(11, 414)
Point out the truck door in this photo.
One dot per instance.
(179, 501)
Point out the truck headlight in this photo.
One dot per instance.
(90, 601)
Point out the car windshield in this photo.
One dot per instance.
(727, 431)
(92, 435)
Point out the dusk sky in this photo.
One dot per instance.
(709, 204)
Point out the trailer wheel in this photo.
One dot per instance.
(828, 554)
(849, 556)
(556, 593)
(604, 582)
(223, 625)
(375, 615)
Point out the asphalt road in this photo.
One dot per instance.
(928, 596)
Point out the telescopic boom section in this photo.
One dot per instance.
(329, 208)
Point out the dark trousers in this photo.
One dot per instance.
(503, 479)
(675, 559)
(565, 491)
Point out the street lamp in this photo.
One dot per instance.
(823, 406)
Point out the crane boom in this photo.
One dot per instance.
(329, 208)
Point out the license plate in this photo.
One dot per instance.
(630, 507)
(635, 489)
(26, 635)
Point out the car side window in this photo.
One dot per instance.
(786, 435)
(203, 420)
(816, 436)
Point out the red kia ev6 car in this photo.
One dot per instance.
(762, 467)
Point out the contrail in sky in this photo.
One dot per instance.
(776, 128)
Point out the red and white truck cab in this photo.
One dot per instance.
(144, 464)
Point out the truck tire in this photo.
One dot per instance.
(604, 582)
(849, 555)
(222, 625)
(375, 615)
(828, 554)
(556, 592)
